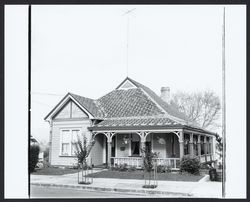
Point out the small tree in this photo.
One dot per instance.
(149, 166)
(33, 157)
(82, 153)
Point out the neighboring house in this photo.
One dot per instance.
(123, 121)
(33, 140)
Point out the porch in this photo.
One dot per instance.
(123, 147)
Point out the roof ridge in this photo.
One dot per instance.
(81, 96)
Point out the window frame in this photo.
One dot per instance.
(71, 140)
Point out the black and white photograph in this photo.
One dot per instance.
(129, 101)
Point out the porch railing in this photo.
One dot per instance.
(206, 158)
(131, 161)
(173, 163)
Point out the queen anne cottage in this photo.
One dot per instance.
(128, 118)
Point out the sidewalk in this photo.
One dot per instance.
(203, 188)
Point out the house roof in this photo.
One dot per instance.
(133, 107)
(170, 109)
(128, 103)
(89, 104)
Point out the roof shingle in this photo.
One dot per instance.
(128, 103)
(90, 105)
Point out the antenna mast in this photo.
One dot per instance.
(127, 46)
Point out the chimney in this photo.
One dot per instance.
(165, 94)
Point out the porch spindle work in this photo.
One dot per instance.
(181, 141)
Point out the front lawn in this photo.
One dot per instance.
(138, 174)
(54, 171)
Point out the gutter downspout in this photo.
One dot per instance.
(50, 139)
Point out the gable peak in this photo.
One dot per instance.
(126, 84)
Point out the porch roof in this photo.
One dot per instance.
(142, 123)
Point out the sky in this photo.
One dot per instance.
(83, 50)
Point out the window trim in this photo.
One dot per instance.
(70, 143)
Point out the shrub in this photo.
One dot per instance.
(123, 167)
(161, 169)
(190, 165)
(33, 157)
(131, 168)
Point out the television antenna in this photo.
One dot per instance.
(127, 46)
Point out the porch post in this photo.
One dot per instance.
(199, 144)
(212, 148)
(212, 145)
(142, 140)
(109, 141)
(191, 144)
(205, 147)
(181, 142)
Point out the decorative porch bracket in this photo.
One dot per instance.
(181, 142)
(143, 136)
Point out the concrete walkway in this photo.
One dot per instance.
(201, 189)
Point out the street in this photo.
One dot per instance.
(53, 192)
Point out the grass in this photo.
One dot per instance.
(54, 171)
(138, 174)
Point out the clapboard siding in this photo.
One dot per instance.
(56, 159)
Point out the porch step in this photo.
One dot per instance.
(204, 171)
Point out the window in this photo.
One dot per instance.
(135, 148)
(68, 142)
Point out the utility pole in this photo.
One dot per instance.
(223, 107)
(29, 88)
(127, 46)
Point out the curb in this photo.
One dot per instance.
(206, 178)
(119, 190)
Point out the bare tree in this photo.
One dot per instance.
(202, 108)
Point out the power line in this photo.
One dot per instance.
(51, 94)
(41, 103)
